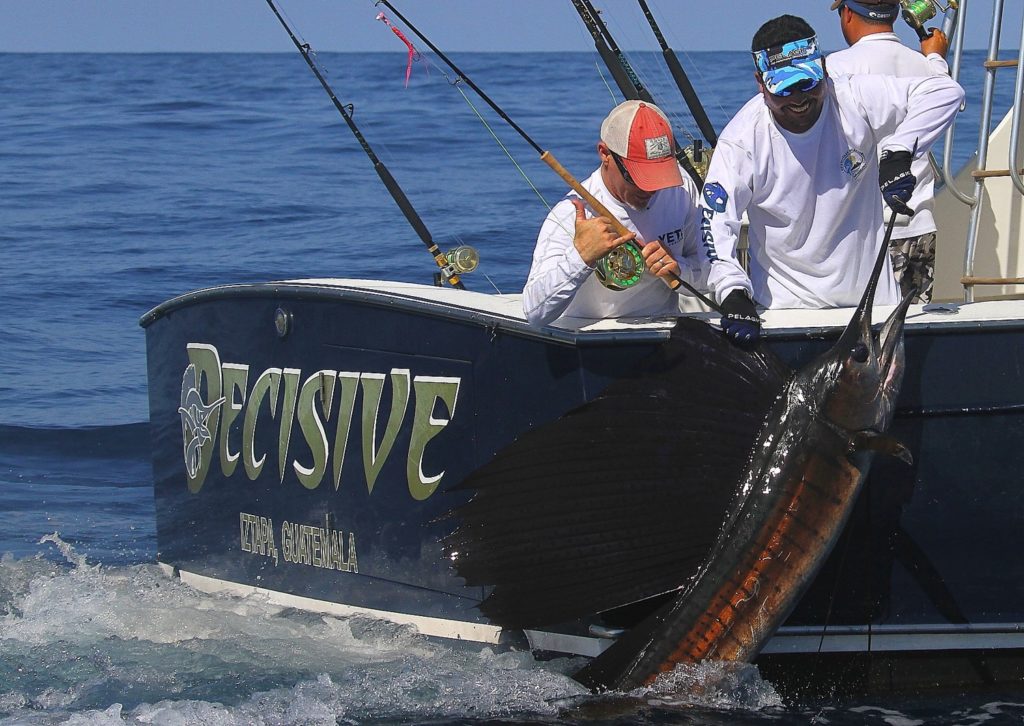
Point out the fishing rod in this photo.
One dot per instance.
(622, 72)
(627, 80)
(682, 81)
(448, 272)
(624, 262)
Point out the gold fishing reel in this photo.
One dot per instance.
(699, 157)
(919, 12)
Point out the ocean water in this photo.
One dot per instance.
(128, 179)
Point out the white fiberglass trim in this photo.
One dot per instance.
(437, 627)
(795, 640)
(881, 638)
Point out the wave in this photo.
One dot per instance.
(116, 441)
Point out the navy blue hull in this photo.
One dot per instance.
(357, 517)
(507, 384)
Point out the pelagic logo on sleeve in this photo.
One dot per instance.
(715, 200)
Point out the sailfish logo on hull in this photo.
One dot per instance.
(195, 417)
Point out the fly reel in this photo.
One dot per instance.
(621, 268)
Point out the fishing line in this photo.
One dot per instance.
(682, 81)
(580, 33)
(600, 74)
(508, 153)
(634, 261)
(644, 68)
(614, 60)
(415, 55)
(502, 146)
(625, 77)
(694, 65)
(448, 272)
(657, 12)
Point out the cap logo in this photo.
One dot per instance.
(657, 147)
(787, 54)
(790, 64)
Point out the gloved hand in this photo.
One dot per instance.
(740, 321)
(896, 181)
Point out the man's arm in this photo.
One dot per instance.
(557, 270)
(936, 44)
(908, 112)
(568, 246)
(723, 200)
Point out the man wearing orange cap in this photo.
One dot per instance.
(640, 182)
(867, 26)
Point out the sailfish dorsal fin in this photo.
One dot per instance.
(620, 499)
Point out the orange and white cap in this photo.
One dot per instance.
(640, 134)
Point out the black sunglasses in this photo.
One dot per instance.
(622, 169)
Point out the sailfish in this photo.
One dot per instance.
(714, 477)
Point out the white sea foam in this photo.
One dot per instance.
(88, 644)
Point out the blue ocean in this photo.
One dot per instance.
(129, 179)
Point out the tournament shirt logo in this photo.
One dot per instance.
(715, 196)
(853, 163)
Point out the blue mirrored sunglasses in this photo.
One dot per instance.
(805, 86)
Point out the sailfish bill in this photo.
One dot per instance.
(715, 477)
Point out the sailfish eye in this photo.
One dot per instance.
(859, 353)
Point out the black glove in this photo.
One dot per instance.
(896, 181)
(740, 321)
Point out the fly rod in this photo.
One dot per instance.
(448, 272)
(675, 282)
(682, 81)
(626, 78)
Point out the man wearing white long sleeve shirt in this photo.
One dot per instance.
(801, 159)
(867, 25)
(640, 183)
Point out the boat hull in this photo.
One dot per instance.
(349, 413)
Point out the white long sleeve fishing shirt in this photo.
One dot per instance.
(812, 198)
(885, 54)
(562, 284)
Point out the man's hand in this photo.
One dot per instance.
(740, 321)
(659, 260)
(896, 180)
(596, 237)
(936, 42)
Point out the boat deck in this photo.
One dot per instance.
(776, 322)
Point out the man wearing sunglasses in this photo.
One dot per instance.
(640, 183)
(867, 26)
(801, 159)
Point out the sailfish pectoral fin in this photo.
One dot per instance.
(869, 440)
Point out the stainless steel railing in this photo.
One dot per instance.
(981, 171)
